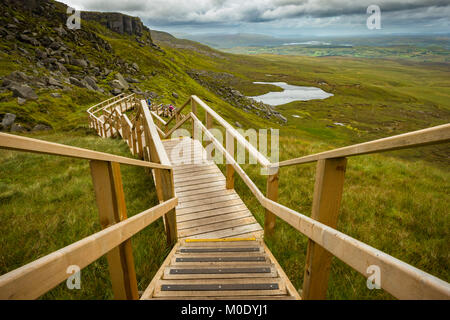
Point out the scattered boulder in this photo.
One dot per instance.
(116, 91)
(41, 127)
(77, 82)
(122, 81)
(237, 124)
(8, 120)
(132, 80)
(80, 63)
(91, 82)
(21, 101)
(30, 40)
(24, 91)
(55, 95)
(175, 95)
(17, 128)
(53, 82)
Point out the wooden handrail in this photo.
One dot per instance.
(178, 111)
(434, 135)
(398, 278)
(153, 132)
(239, 138)
(230, 160)
(178, 125)
(122, 98)
(18, 143)
(36, 278)
(158, 118)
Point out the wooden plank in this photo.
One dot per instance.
(212, 213)
(199, 176)
(214, 219)
(398, 278)
(200, 191)
(281, 289)
(272, 194)
(204, 243)
(213, 227)
(197, 171)
(204, 184)
(218, 226)
(36, 278)
(207, 201)
(219, 250)
(172, 273)
(216, 205)
(220, 287)
(434, 135)
(212, 194)
(230, 232)
(328, 190)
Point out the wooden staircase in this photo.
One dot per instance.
(221, 269)
(206, 208)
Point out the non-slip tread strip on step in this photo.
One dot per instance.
(212, 250)
(220, 271)
(221, 259)
(220, 287)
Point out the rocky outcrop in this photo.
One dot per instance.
(117, 22)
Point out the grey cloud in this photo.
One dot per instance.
(232, 12)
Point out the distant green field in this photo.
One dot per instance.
(410, 52)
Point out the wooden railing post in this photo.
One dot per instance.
(229, 142)
(328, 189)
(208, 120)
(139, 139)
(110, 198)
(194, 107)
(272, 194)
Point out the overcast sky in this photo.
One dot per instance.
(280, 17)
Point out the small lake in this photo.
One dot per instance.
(291, 93)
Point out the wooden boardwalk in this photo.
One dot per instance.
(206, 208)
(228, 269)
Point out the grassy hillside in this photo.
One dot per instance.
(395, 202)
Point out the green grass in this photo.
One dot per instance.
(48, 202)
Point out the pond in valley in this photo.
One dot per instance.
(291, 93)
